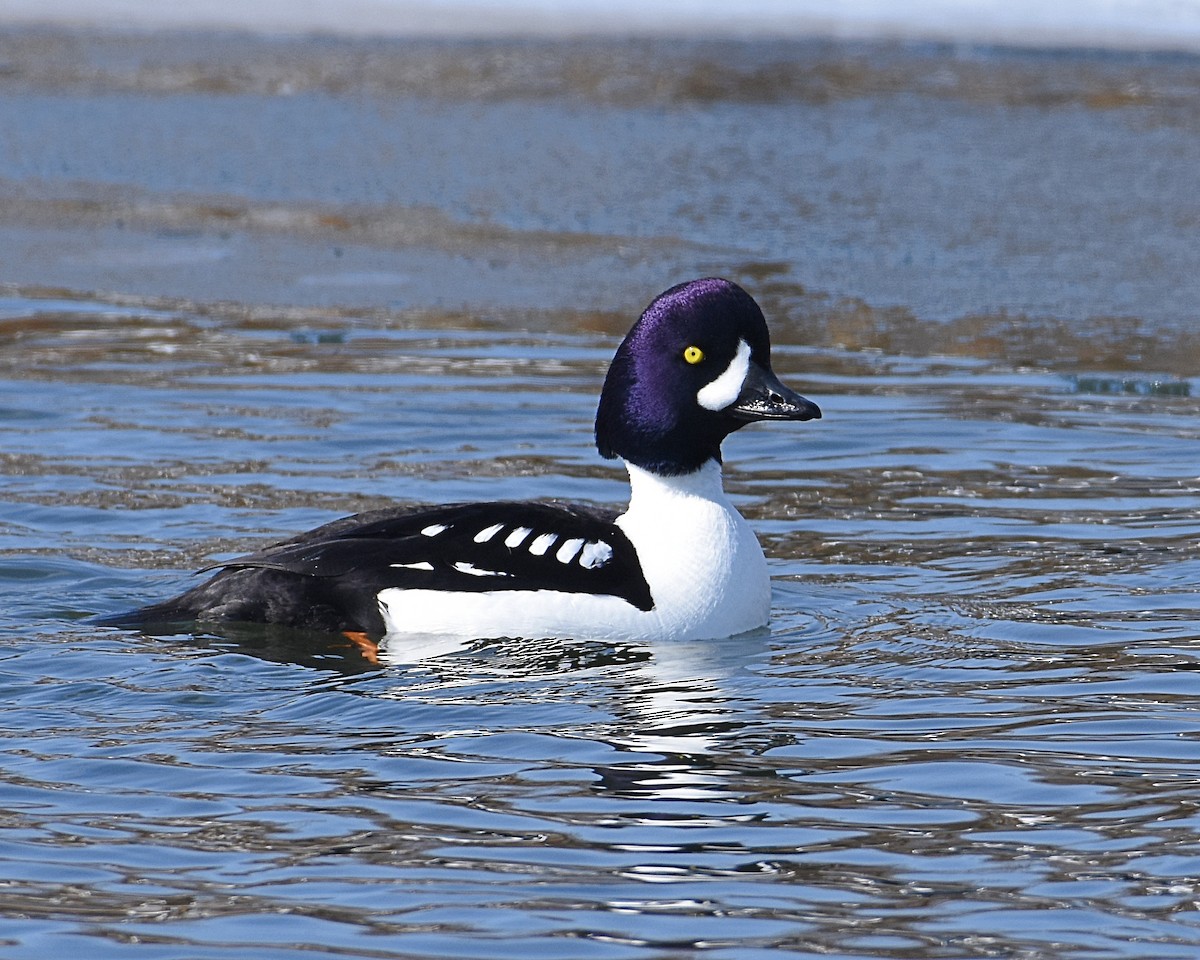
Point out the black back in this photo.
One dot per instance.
(329, 578)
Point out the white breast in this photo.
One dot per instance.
(705, 568)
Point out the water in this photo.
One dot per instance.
(971, 730)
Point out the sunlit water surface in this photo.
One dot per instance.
(971, 730)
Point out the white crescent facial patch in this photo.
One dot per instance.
(723, 391)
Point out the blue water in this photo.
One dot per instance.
(248, 287)
(970, 731)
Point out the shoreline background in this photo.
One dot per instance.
(895, 196)
(1113, 24)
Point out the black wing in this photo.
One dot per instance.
(475, 547)
(329, 578)
(465, 547)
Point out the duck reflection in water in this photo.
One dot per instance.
(680, 720)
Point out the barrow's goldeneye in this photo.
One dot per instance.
(680, 562)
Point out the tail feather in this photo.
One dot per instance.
(257, 595)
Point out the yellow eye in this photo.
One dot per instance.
(693, 354)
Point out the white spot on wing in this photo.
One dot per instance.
(514, 539)
(486, 534)
(434, 529)
(419, 565)
(470, 568)
(566, 553)
(595, 554)
(542, 544)
(721, 392)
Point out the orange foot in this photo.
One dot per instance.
(366, 646)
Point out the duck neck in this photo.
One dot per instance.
(653, 491)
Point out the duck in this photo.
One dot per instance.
(680, 562)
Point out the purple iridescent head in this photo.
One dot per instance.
(694, 368)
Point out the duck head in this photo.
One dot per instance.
(694, 368)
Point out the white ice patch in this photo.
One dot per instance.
(434, 529)
(595, 554)
(486, 534)
(723, 391)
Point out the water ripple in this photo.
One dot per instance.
(970, 732)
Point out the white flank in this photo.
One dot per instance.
(721, 392)
(541, 544)
(419, 565)
(434, 529)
